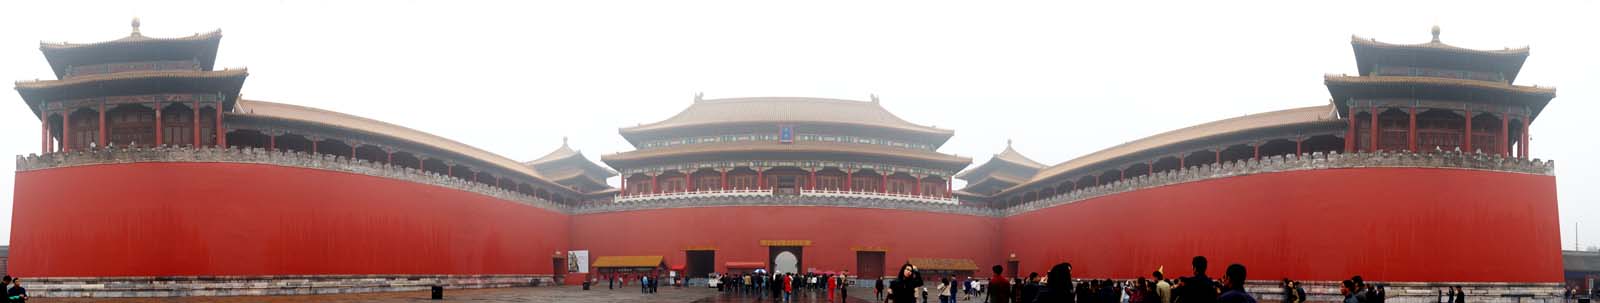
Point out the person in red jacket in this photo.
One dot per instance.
(999, 288)
(833, 282)
(788, 286)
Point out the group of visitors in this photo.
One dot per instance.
(1356, 290)
(907, 287)
(647, 283)
(785, 286)
(13, 289)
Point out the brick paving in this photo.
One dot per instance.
(522, 294)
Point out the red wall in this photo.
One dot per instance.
(736, 232)
(1386, 224)
(182, 219)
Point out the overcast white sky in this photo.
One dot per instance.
(1060, 78)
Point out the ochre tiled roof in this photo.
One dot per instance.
(774, 146)
(1009, 155)
(943, 264)
(566, 152)
(1344, 79)
(190, 74)
(1436, 45)
(1231, 125)
(134, 38)
(785, 110)
(627, 261)
(336, 119)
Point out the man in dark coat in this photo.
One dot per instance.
(1233, 283)
(1198, 288)
(1030, 288)
(1058, 288)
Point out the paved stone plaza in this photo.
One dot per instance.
(520, 294)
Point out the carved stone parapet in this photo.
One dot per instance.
(1285, 163)
(99, 156)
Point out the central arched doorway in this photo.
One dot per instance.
(786, 259)
(786, 262)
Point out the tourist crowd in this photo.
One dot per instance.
(785, 286)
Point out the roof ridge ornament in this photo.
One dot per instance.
(699, 96)
(1435, 33)
(135, 27)
(874, 98)
(563, 141)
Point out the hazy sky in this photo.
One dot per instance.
(1061, 78)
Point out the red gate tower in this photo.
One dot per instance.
(1437, 190)
(789, 184)
(133, 195)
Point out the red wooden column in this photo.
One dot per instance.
(1374, 140)
(222, 141)
(1217, 156)
(159, 140)
(623, 190)
(449, 170)
(1350, 132)
(1257, 147)
(272, 141)
(1297, 142)
(1467, 140)
(422, 164)
(1523, 150)
(1150, 167)
(1180, 166)
(1505, 138)
(1411, 131)
(724, 179)
(918, 187)
(101, 142)
(388, 158)
(66, 129)
(811, 182)
(195, 126)
(761, 178)
(655, 184)
(353, 150)
(848, 178)
(314, 148)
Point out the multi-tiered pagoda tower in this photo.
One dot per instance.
(134, 91)
(1434, 96)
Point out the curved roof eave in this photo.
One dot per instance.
(1310, 114)
(341, 120)
(784, 110)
